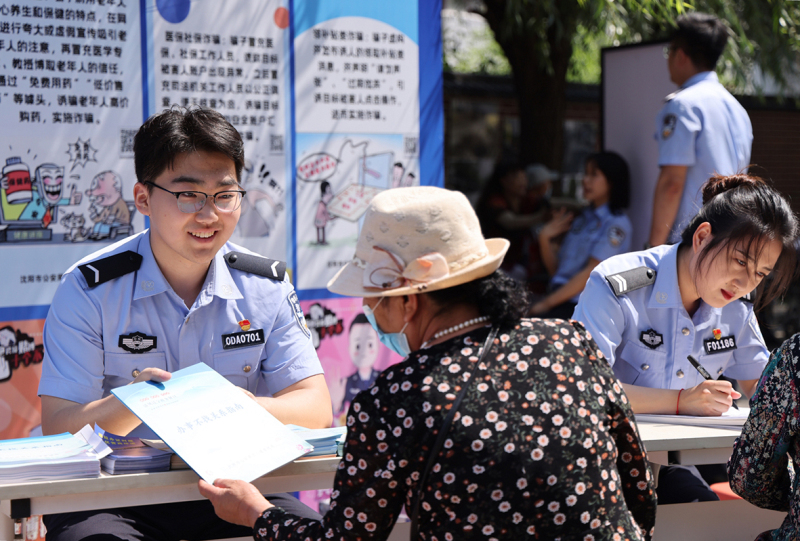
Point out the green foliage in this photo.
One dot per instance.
(765, 33)
(473, 49)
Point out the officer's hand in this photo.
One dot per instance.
(558, 224)
(247, 393)
(152, 374)
(235, 501)
(710, 398)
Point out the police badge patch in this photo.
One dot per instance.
(298, 313)
(137, 342)
(651, 338)
(615, 236)
(668, 127)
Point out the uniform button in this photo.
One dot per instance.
(645, 366)
(247, 368)
(679, 373)
(135, 373)
(685, 331)
(719, 371)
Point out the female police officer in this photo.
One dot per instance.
(648, 311)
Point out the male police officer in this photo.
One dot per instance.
(172, 296)
(701, 130)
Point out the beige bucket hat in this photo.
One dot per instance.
(416, 240)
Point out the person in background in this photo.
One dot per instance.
(759, 468)
(602, 230)
(516, 462)
(166, 299)
(650, 310)
(507, 209)
(701, 131)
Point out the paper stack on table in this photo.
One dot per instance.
(219, 431)
(326, 441)
(732, 419)
(63, 456)
(131, 455)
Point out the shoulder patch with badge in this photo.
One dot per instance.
(298, 313)
(111, 267)
(668, 126)
(137, 342)
(254, 264)
(615, 236)
(651, 338)
(631, 280)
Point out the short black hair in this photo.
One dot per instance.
(360, 319)
(745, 212)
(182, 130)
(702, 37)
(615, 169)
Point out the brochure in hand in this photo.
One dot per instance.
(219, 431)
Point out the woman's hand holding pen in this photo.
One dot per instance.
(710, 398)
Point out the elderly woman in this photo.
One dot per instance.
(493, 427)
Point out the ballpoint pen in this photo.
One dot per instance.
(704, 373)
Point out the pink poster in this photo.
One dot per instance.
(351, 355)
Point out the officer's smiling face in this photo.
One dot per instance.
(732, 272)
(179, 238)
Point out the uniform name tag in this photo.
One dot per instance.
(725, 343)
(243, 339)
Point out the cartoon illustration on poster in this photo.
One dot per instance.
(21, 354)
(348, 348)
(337, 177)
(352, 357)
(231, 57)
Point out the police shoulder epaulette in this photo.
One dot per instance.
(111, 267)
(631, 280)
(671, 96)
(254, 264)
(750, 297)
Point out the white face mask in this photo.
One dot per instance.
(396, 341)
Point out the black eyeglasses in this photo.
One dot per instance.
(192, 202)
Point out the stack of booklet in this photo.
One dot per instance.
(48, 458)
(131, 455)
(326, 441)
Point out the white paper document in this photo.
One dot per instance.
(219, 431)
(732, 418)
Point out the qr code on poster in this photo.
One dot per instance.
(126, 143)
(276, 143)
(410, 145)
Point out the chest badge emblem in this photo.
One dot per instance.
(137, 342)
(245, 324)
(717, 334)
(651, 338)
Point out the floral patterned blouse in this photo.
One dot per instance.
(543, 446)
(759, 468)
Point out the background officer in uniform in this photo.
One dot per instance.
(701, 131)
(167, 298)
(602, 230)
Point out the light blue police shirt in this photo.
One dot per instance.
(646, 334)
(703, 127)
(594, 233)
(85, 355)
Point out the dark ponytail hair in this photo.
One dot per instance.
(745, 212)
(498, 296)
